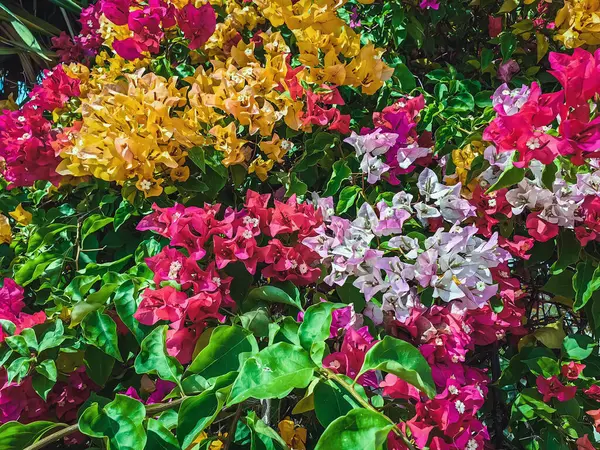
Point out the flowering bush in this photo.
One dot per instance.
(285, 225)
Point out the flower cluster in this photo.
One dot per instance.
(26, 135)
(577, 23)
(11, 309)
(393, 147)
(266, 240)
(526, 116)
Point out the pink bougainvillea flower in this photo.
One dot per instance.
(397, 388)
(117, 11)
(572, 370)
(593, 392)
(578, 74)
(494, 26)
(583, 443)
(540, 229)
(552, 388)
(197, 24)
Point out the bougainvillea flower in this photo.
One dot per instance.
(552, 388)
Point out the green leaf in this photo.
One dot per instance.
(315, 328)
(120, 423)
(196, 414)
(17, 436)
(483, 99)
(154, 359)
(508, 44)
(585, 282)
(159, 437)
(561, 285)
(405, 77)
(347, 199)
(578, 346)
(98, 365)
(222, 355)
(549, 175)
(264, 376)
(568, 251)
(340, 172)
(332, 402)
(511, 176)
(196, 154)
(45, 377)
(126, 307)
(100, 330)
(461, 102)
(528, 405)
(92, 303)
(18, 369)
(122, 213)
(359, 429)
(33, 268)
(263, 432)
(403, 360)
(295, 186)
(20, 345)
(94, 223)
(272, 294)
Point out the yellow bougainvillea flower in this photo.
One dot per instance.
(5, 231)
(578, 23)
(180, 173)
(276, 148)
(462, 159)
(22, 216)
(261, 168)
(217, 444)
(294, 436)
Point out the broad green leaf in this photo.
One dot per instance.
(196, 155)
(264, 431)
(315, 328)
(585, 282)
(332, 402)
(119, 423)
(18, 369)
(196, 414)
(94, 223)
(403, 360)
(264, 376)
(154, 359)
(340, 172)
(529, 404)
(33, 268)
(159, 437)
(549, 175)
(347, 199)
(100, 330)
(222, 355)
(126, 307)
(510, 177)
(271, 294)
(508, 44)
(359, 429)
(568, 251)
(122, 213)
(578, 346)
(98, 365)
(551, 335)
(92, 303)
(17, 436)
